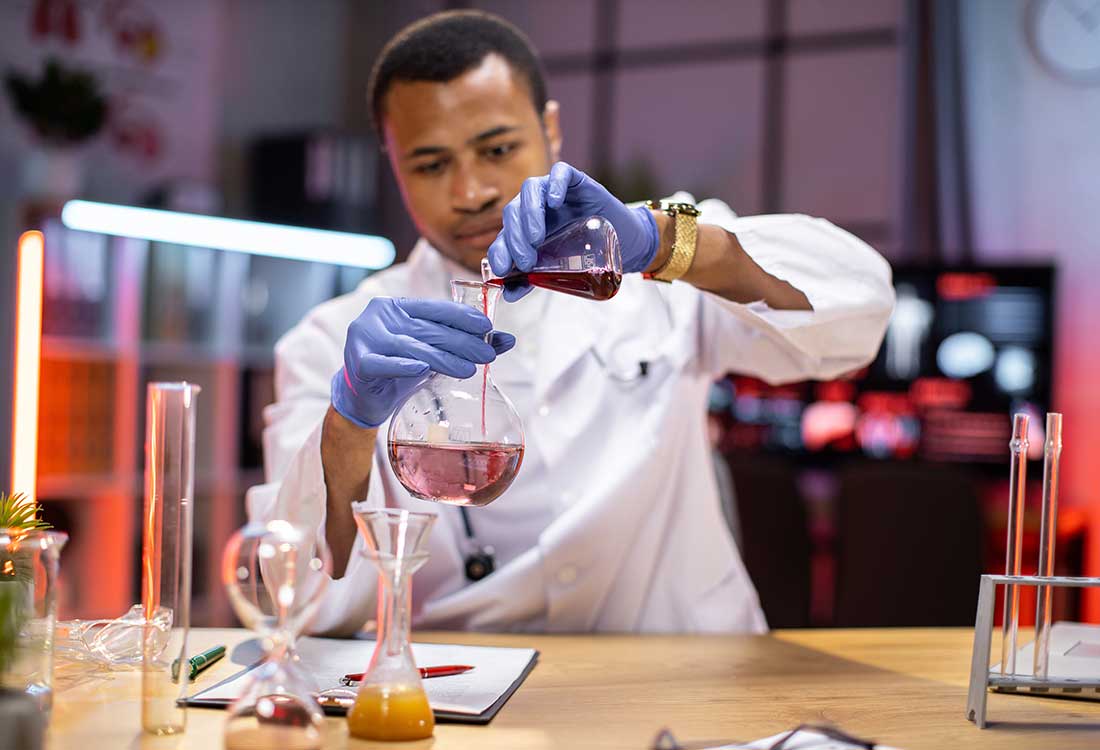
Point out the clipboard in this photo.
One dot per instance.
(214, 696)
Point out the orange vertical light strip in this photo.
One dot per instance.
(28, 350)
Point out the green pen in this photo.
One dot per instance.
(198, 662)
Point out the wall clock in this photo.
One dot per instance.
(1064, 35)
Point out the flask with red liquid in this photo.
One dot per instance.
(581, 258)
(458, 441)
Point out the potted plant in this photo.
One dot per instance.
(21, 718)
(63, 109)
(16, 515)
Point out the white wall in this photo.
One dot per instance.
(283, 70)
(171, 94)
(1035, 171)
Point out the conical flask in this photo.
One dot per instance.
(458, 441)
(391, 703)
(582, 258)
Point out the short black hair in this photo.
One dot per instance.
(443, 46)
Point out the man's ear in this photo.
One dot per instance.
(551, 125)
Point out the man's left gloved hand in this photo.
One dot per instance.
(545, 204)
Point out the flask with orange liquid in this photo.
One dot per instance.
(391, 703)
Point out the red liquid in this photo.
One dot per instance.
(464, 474)
(598, 284)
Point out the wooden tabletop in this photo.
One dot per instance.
(904, 687)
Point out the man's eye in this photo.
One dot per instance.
(500, 150)
(430, 168)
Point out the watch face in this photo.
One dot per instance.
(1065, 37)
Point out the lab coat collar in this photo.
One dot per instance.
(571, 326)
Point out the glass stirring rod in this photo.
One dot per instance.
(1017, 484)
(1048, 531)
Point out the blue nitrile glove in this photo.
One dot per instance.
(545, 204)
(394, 344)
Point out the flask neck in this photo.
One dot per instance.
(392, 661)
(478, 295)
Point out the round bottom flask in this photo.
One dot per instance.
(458, 441)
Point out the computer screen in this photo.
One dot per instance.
(965, 349)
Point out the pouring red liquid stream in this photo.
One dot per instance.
(484, 368)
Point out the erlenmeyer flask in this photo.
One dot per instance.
(581, 258)
(458, 441)
(275, 574)
(391, 703)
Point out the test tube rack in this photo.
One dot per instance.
(982, 678)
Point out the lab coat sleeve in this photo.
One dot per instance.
(305, 359)
(845, 280)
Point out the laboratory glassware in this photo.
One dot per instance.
(275, 574)
(458, 441)
(166, 552)
(1017, 484)
(109, 641)
(582, 258)
(29, 570)
(391, 703)
(1048, 532)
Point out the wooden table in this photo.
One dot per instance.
(902, 687)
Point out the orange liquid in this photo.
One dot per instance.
(384, 713)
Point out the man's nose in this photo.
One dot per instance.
(470, 194)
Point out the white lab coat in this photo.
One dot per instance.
(617, 517)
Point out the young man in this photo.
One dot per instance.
(613, 522)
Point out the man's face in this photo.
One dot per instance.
(461, 150)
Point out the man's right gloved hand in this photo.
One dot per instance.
(394, 344)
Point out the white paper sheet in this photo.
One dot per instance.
(804, 740)
(495, 670)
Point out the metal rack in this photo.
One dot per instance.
(982, 678)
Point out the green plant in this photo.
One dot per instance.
(16, 515)
(64, 106)
(12, 614)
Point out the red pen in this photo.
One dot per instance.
(425, 672)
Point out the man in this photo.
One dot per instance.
(613, 522)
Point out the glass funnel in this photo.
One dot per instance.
(458, 441)
(275, 574)
(391, 703)
(582, 258)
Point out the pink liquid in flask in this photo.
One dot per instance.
(459, 474)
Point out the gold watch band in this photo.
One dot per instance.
(685, 234)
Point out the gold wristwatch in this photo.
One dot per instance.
(685, 233)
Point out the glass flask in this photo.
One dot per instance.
(29, 570)
(391, 703)
(275, 574)
(581, 258)
(458, 441)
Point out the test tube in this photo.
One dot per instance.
(166, 553)
(1048, 533)
(1017, 483)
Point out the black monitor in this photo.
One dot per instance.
(965, 349)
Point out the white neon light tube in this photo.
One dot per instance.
(28, 347)
(236, 235)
